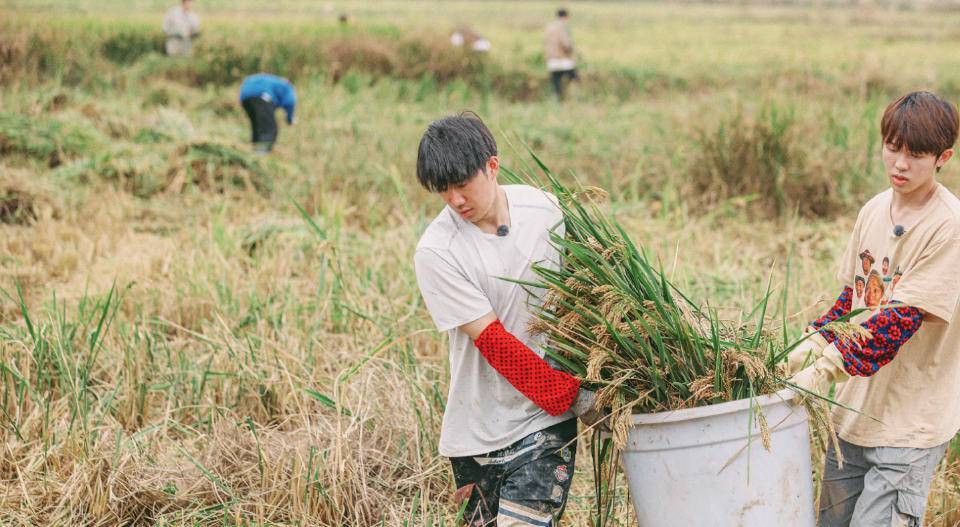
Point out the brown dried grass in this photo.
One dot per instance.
(23, 200)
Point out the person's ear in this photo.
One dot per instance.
(493, 166)
(944, 157)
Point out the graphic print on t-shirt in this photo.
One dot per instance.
(914, 401)
(875, 287)
(874, 293)
(867, 260)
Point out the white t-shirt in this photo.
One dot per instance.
(460, 271)
(561, 64)
(179, 23)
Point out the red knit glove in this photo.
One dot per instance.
(550, 389)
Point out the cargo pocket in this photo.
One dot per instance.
(909, 509)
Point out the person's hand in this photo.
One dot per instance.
(806, 353)
(583, 408)
(823, 373)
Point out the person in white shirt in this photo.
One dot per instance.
(509, 425)
(181, 25)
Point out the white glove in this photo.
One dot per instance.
(806, 352)
(583, 408)
(823, 373)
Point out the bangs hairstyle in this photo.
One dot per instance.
(923, 122)
(452, 151)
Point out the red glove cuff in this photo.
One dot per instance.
(550, 389)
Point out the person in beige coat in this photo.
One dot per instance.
(561, 60)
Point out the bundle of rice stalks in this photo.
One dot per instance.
(13, 52)
(613, 318)
(22, 200)
(46, 140)
(217, 63)
(150, 136)
(112, 125)
(433, 56)
(217, 167)
(145, 172)
(361, 53)
(127, 46)
(139, 172)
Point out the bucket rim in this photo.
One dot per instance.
(700, 412)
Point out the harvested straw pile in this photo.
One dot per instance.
(46, 140)
(217, 167)
(205, 165)
(23, 201)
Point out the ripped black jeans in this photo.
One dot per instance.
(524, 484)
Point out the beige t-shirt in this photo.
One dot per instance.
(461, 271)
(914, 401)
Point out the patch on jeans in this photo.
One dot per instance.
(561, 473)
(557, 493)
(565, 454)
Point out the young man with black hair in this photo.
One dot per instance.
(903, 378)
(509, 426)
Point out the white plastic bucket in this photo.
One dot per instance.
(695, 467)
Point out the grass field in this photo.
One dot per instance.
(194, 335)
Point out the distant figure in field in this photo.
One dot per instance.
(559, 53)
(466, 36)
(181, 25)
(261, 95)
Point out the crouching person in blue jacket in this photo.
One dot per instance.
(261, 95)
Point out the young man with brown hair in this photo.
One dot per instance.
(508, 427)
(903, 378)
